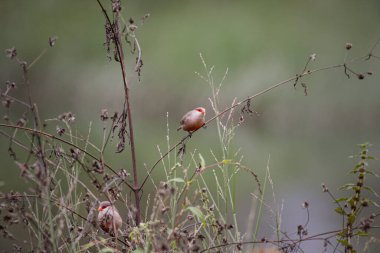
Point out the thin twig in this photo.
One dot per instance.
(53, 137)
(36, 59)
(293, 242)
(233, 106)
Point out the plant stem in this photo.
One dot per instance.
(119, 49)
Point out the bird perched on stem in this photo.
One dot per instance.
(193, 120)
(109, 218)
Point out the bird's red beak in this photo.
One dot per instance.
(100, 208)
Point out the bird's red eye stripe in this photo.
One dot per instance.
(101, 208)
(200, 110)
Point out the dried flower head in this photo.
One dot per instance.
(52, 41)
(145, 17)
(60, 131)
(104, 115)
(10, 85)
(116, 6)
(132, 27)
(11, 52)
(312, 57)
(324, 188)
(7, 102)
(21, 122)
(67, 116)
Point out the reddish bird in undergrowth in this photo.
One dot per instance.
(193, 120)
(109, 218)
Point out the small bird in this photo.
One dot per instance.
(193, 120)
(109, 218)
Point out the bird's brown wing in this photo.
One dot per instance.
(184, 118)
(105, 222)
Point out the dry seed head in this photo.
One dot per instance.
(60, 131)
(11, 52)
(312, 57)
(324, 188)
(360, 76)
(52, 40)
(7, 102)
(104, 115)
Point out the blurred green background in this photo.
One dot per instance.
(308, 138)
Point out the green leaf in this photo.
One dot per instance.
(341, 199)
(227, 161)
(362, 233)
(373, 203)
(343, 242)
(372, 173)
(351, 201)
(371, 190)
(176, 180)
(347, 186)
(339, 210)
(364, 145)
(107, 250)
(197, 212)
(342, 233)
(88, 246)
(351, 218)
(203, 163)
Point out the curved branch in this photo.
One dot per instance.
(319, 236)
(294, 78)
(238, 104)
